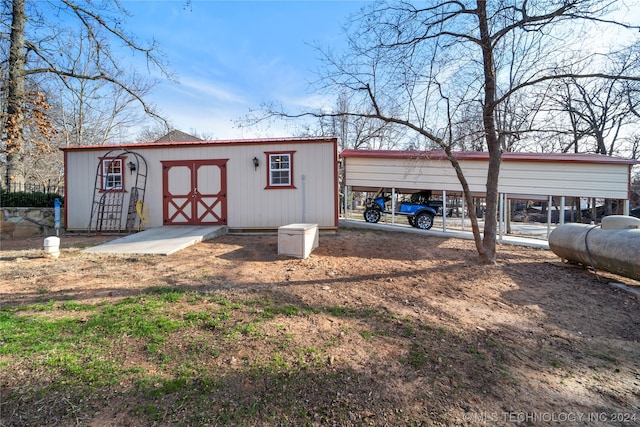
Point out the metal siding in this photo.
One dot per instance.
(267, 208)
(533, 178)
(250, 205)
(81, 171)
(565, 179)
(319, 185)
(410, 173)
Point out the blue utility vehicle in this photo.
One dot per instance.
(419, 210)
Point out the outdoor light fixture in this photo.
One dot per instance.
(256, 163)
(132, 166)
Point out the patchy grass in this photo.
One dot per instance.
(195, 343)
(373, 329)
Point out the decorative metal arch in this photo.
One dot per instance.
(108, 203)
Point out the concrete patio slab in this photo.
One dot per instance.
(160, 240)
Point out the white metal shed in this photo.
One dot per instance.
(247, 185)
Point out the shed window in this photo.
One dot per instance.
(280, 170)
(112, 177)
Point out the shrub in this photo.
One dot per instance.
(25, 199)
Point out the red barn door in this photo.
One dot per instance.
(194, 192)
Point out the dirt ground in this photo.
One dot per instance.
(529, 341)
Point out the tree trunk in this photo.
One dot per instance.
(14, 125)
(601, 146)
(491, 136)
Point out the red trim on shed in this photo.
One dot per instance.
(171, 144)
(270, 170)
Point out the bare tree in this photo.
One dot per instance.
(93, 112)
(598, 110)
(426, 66)
(356, 132)
(33, 52)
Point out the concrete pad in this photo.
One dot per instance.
(160, 240)
(468, 235)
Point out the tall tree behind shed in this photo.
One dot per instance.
(32, 52)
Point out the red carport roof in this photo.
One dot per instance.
(483, 155)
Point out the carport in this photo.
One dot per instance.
(523, 176)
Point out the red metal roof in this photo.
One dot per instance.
(483, 155)
(255, 141)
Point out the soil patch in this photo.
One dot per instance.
(410, 330)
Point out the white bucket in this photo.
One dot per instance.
(52, 247)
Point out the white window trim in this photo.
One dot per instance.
(106, 163)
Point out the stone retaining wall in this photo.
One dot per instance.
(27, 222)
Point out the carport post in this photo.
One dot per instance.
(561, 215)
(505, 212)
(346, 201)
(444, 211)
(393, 206)
(501, 227)
(626, 207)
(463, 211)
(549, 216)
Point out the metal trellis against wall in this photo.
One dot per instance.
(120, 181)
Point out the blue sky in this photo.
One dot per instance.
(230, 56)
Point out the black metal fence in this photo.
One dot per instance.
(30, 195)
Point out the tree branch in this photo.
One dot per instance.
(60, 73)
(560, 76)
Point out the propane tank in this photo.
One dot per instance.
(614, 247)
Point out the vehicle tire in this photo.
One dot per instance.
(424, 221)
(412, 221)
(372, 215)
